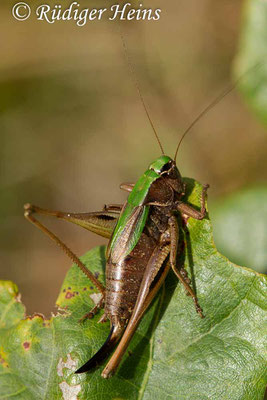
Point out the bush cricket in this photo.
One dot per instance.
(143, 238)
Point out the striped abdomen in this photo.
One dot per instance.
(123, 280)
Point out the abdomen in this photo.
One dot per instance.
(123, 279)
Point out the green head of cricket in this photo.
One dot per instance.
(166, 167)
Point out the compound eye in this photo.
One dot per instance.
(166, 167)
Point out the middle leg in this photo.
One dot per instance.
(174, 233)
(128, 187)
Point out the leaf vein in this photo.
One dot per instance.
(151, 347)
(215, 325)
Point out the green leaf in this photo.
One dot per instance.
(253, 52)
(174, 353)
(240, 228)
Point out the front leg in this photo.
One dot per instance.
(192, 212)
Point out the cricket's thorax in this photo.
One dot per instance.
(125, 271)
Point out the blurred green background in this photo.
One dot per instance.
(72, 128)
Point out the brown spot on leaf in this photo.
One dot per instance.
(96, 275)
(69, 295)
(3, 357)
(84, 288)
(26, 345)
(3, 362)
(35, 315)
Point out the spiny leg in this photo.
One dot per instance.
(29, 210)
(204, 198)
(100, 222)
(190, 211)
(184, 274)
(174, 233)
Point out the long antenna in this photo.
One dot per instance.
(214, 102)
(131, 67)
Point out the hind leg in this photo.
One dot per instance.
(29, 211)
